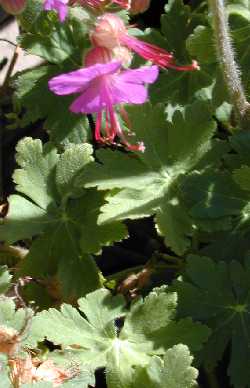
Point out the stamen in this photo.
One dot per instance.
(98, 124)
(193, 66)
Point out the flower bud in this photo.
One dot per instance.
(98, 55)
(13, 7)
(123, 55)
(139, 6)
(104, 55)
(107, 32)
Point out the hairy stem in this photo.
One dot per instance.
(226, 58)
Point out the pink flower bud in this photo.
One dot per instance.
(13, 7)
(139, 6)
(104, 55)
(123, 55)
(98, 55)
(108, 30)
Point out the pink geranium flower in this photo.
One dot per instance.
(58, 5)
(111, 32)
(102, 86)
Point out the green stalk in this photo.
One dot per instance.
(226, 58)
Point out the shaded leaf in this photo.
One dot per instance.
(218, 294)
(149, 183)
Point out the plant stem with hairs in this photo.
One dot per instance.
(229, 67)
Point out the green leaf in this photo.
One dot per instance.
(221, 197)
(24, 220)
(180, 87)
(63, 215)
(45, 36)
(77, 273)
(100, 308)
(149, 183)
(200, 45)
(39, 384)
(145, 317)
(16, 319)
(154, 320)
(174, 371)
(55, 48)
(84, 379)
(242, 177)
(32, 12)
(93, 339)
(216, 195)
(35, 178)
(70, 164)
(178, 14)
(93, 336)
(218, 294)
(5, 381)
(5, 279)
(40, 103)
(58, 45)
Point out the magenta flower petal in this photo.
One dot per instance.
(62, 12)
(128, 86)
(78, 80)
(145, 74)
(60, 6)
(128, 93)
(90, 101)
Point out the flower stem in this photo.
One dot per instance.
(226, 58)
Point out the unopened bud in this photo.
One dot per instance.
(98, 55)
(104, 55)
(107, 32)
(139, 6)
(13, 7)
(123, 55)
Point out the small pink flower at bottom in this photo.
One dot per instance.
(58, 5)
(101, 87)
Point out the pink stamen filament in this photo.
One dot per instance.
(120, 134)
(155, 54)
(98, 125)
(148, 51)
(125, 117)
(193, 66)
(113, 129)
